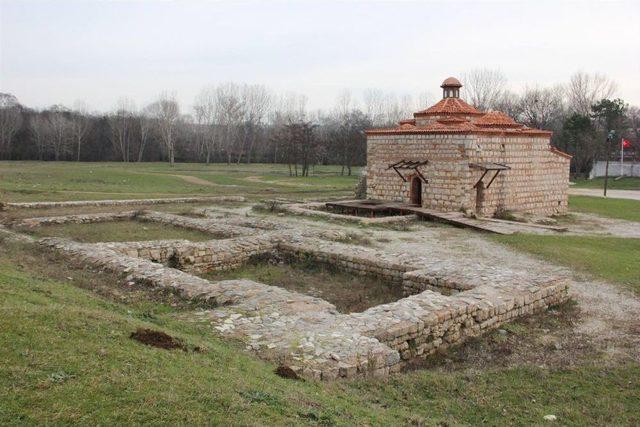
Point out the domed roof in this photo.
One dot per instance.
(497, 119)
(451, 82)
(448, 106)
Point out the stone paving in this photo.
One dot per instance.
(448, 299)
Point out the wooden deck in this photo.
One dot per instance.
(377, 208)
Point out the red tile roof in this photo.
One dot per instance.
(494, 123)
(560, 152)
(447, 106)
(407, 121)
(497, 119)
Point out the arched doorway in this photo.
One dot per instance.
(416, 191)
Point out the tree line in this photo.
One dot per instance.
(242, 123)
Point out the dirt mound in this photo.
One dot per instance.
(287, 372)
(157, 339)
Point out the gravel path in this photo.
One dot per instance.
(611, 194)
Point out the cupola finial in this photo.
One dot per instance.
(451, 88)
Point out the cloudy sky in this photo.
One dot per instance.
(99, 51)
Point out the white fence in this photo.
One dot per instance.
(629, 169)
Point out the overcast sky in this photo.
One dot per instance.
(99, 51)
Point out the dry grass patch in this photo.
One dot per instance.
(348, 292)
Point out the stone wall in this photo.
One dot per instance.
(74, 203)
(447, 171)
(308, 333)
(75, 219)
(421, 324)
(159, 251)
(537, 182)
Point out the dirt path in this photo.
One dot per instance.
(589, 224)
(194, 180)
(189, 178)
(283, 183)
(611, 194)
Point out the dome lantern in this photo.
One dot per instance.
(451, 88)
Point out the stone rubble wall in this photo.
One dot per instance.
(307, 332)
(270, 318)
(10, 235)
(353, 259)
(158, 251)
(123, 202)
(219, 255)
(75, 219)
(218, 229)
(423, 323)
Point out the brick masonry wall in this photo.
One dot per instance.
(537, 182)
(447, 172)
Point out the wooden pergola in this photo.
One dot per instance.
(487, 168)
(409, 165)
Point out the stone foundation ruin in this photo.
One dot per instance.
(445, 303)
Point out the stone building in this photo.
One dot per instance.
(452, 156)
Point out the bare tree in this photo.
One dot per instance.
(40, 128)
(80, 125)
(61, 130)
(256, 100)
(397, 109)
(509, 103)
(166, 111)
(374, 103)
(145, 126)
(585, 90)
(634, 122)
(120, 123)
(289, 108)
(230, 113)
(204, 108)
(542, 108)
(10, 121)
(483, 87)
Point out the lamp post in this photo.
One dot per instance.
(610, 136)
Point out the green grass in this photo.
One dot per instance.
(39, 181)
(67, 358)
(611, 259)
(119, 231)
(613, 208)
(628, 183)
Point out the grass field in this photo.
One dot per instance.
(612, 208)
(37, 181)
(118, 231)
(611, 259)
(628, 183)
(67, 358)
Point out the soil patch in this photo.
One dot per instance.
(157, 339)
(286, 372)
